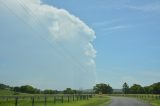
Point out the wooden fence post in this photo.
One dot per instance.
(45, 101)
(77, 97)
(16, 101)
(73, 97)
(62, 99)
(80, 97)
(54, 99)
(68, 98)
(32, 101)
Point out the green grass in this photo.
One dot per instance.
(95, 101)
(6, 92)
(153, 102)
(151, 99)
(98, 100)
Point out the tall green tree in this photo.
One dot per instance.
(29, 89)
(68, 91)
(136, 89)
(49, 91)
(103, 88)
(125, 88)
(3, 86)
(155, 88)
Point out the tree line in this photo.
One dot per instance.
(138, 89)
(31, 90)
(101, 88)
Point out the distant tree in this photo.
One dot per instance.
(48, 91)
(68, 91)
(125, 88)
(136, 89)
(17, 89)
(3, 86)
(74, 91)
(29, 89)
(148, 89)
(78, 92)
(103, 88)
(155, 88)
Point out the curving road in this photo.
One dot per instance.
(124, 101)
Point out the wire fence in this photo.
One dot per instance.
(45, 99)
(142, 96)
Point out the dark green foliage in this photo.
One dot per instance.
(99, 88)
(29, 89)
(48, 91)
(69, 91)
(155, 88)
(125, 88)
(3, 86)
(103, 88)
(147, 89)
(17, 89)
(152, 89)
(136, 89)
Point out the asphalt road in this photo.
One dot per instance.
(124, 101)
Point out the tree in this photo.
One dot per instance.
(3, 86)
(17, 89)
(155, 88)
(125, 88)
(103, 88)
(148, 89)
(48, 91)
(136, 89)
(68, 91)
(29, 89)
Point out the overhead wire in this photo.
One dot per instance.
(61, 47)
(39, 22)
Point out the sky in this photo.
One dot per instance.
(57, 44)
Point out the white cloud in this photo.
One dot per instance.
(66, 31)
(90, 51)
(152, 7)
(102, 24)
(115, 28)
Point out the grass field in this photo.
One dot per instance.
(98, 100)
(153, 102)
(5, 92)
(95, 101)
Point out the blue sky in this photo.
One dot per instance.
(127, 44)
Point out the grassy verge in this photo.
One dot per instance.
(6, 92)
(153, 102)
(97, 100)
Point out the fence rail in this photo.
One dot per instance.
(143, 96)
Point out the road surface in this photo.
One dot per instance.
(124, 101)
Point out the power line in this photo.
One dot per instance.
(61, 47)
(36, 19)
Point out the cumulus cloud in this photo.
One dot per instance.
(68, 35)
